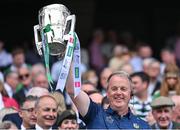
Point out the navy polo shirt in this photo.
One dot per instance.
(99, 118)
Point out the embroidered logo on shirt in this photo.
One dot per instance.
(135, 125)
(109, 119)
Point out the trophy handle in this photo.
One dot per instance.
(38, 40)
(69, 26)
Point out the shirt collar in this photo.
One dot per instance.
(169, 127)
(22, 127)
(40, 128)
(111, 112)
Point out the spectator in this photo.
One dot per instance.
(40, 80)
(105, 73)
(97, 59)
(141, 100)
(25, 79)
(162, 108)
(38, 68)
(18, 60)
(6, 101)
(5, 57)
(171, 83)
(153, 70)
(67, 120)
(58, 96)
(91, 76)
(46, 112)
(27, 113)
(11, 82)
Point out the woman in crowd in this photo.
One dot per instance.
(171, 83)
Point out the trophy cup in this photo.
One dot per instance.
(55, 35)
(55, 22)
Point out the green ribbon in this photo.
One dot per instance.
(46, 54)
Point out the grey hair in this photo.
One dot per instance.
(120, 74)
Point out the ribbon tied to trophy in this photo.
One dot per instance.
(55, 35)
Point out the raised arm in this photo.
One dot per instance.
(82, 100)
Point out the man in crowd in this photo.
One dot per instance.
(45, 112)
(162, 108)
(141, 100)
(118, 114)
(25, 79)
(27, 113)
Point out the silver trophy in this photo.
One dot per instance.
(55, 23)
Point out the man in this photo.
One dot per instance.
(40, 80)
(141, 100)
(11, 82)
(162, 108)
(25, 79)
(67, 120)
(46, 112)
(118, 114)
(27, 113)
(105, 73)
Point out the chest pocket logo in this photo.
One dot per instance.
(136, 126)
(109, 119)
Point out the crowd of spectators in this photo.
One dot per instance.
(26, 101)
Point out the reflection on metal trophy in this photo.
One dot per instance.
(55, 22)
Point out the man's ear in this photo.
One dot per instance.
(20, 113)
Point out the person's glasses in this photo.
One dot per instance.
(175, 78)
(27, 109)
(24, 76)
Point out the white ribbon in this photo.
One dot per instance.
(72, 52)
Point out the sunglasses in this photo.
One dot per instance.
(22, 77)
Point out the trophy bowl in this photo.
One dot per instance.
(55, 22)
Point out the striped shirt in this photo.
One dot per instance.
(140, 108)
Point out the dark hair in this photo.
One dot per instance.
(29, 98)
(144, 77)
(67, 114)
(17, 50)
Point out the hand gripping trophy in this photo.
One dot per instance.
(55, 35)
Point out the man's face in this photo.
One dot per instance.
(163, 116)
(25, 76)
(27, 114)
(41, 81)
(13, 80)
(138, 85)
(118, 92)
(19, 59)
(46, 112)
(69, 124)
(104, 76)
